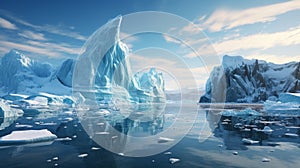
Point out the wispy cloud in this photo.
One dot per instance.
(260, 41)
(279, 59)
(45, 49)
(229, 18)
(57, 29)
(7, 24)
(32, 35)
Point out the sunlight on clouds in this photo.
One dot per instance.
(43, 51)
(57, 29)
(32, 35)
(229, 18)
(176, 76)
(7, 24)
(278, 59)
(260, 41)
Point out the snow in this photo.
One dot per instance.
(27, 136)
(234, 61)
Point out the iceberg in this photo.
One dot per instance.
(250, 81)
(27, 136)
(8, 114)
(103, 71)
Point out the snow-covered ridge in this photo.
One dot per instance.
(242, 80)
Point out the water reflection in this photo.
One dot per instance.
(240, 131)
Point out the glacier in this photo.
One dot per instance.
(247, 81)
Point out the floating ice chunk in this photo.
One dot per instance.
(23, 126)
(174, 160)
(267, 130)
(83, 155)
(249, 141)
(55, 158)
(102, 133)
(168, 153)
(235, 153)
(27, 136)
(265, 159)
(291, 135)
(64, 139)
(95, 148)
(164, 140)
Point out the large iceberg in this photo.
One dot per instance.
(103, 71)
(242, 80)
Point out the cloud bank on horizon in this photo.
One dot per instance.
(268, 31)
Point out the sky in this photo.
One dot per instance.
(53, 30)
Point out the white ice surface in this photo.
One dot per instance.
(27, 136)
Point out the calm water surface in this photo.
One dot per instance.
(213, 141)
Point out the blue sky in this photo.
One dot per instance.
(53, 30)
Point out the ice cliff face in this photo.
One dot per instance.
(251, 80)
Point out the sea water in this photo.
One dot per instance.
(215, 140)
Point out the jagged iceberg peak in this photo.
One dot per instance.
(242, 80)
(104, 68)
(17, 58)
(19, 73)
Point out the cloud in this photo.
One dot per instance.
(31, 35)
(228, 18)
(260, 41)
(7, 24)
(278, 59)
(43, 48)
(57, 30)
(170, 39)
